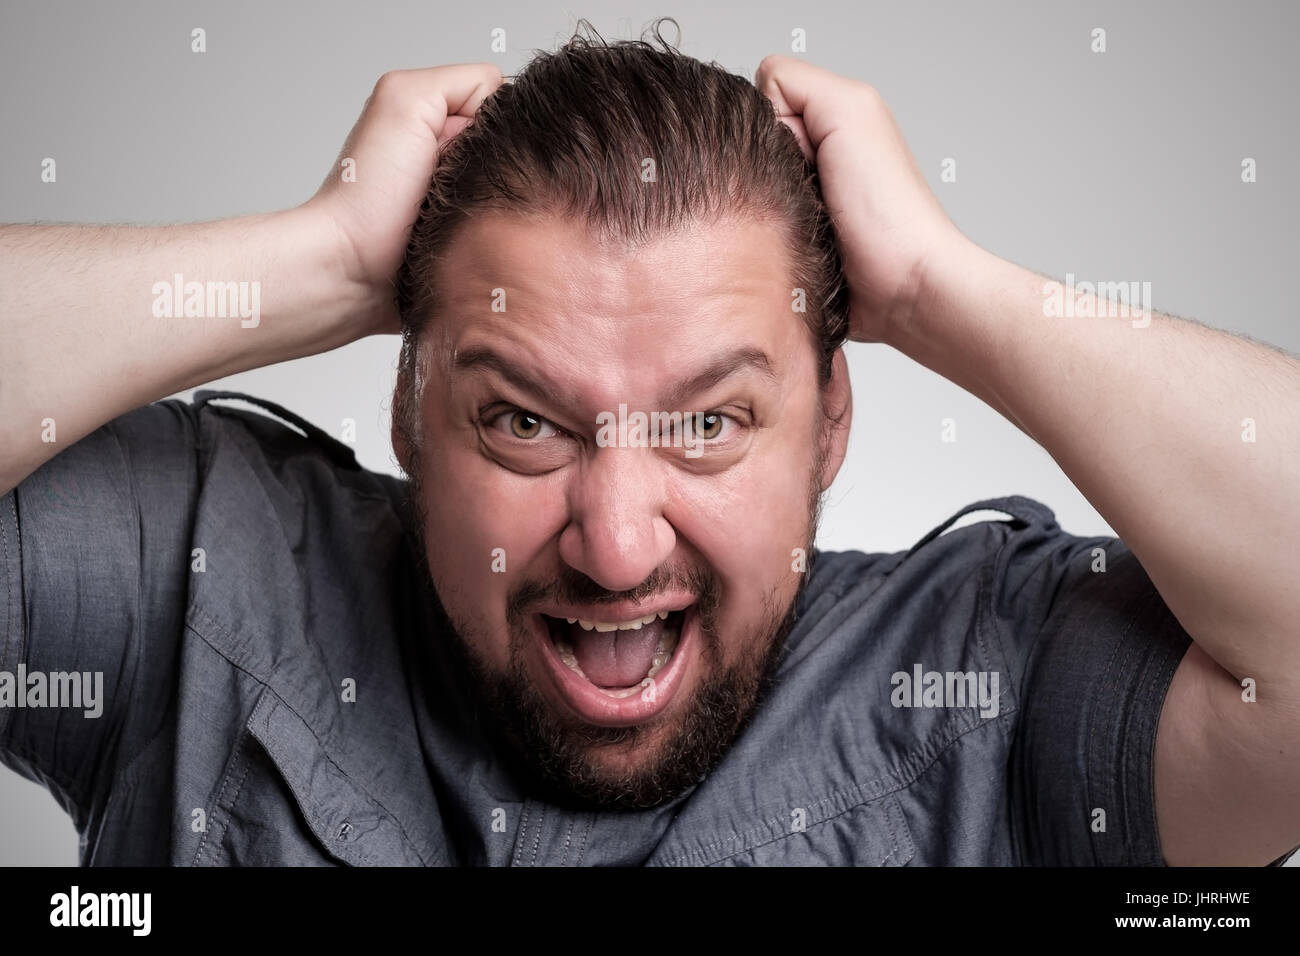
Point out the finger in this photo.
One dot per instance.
(488, 79)
(407, 116)
(437, 92)
(798, 88)
(451, 129)
(763, 79)
(800, 135)
(784, 112)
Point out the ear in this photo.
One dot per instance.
(837, 406)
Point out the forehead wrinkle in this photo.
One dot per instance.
(558, 266)
(541, 276)
(583, 310)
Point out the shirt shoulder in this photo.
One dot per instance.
(303, 621)
(237, 580)
(895, 727)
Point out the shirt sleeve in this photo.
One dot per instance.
(94, 577)
(1100, 650)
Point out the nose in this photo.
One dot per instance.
(617, 533)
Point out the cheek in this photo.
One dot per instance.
(485, 530)
(751, 526)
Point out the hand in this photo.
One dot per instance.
(889, 226)
(410, 116)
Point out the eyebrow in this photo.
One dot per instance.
(745, 358)
(482, 358)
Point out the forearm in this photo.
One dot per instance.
(1147, 420)
(92, 325)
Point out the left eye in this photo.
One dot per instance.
(523, 425)
(708, 425)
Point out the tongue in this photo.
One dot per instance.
(615, 658)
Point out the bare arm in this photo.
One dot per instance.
(83, 320)
(1186, 439)
(82, 343)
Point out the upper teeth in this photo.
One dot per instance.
(603, 626)
(664, 649)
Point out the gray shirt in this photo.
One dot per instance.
(232, 577)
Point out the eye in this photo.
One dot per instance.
(709, 425)
(523, 425)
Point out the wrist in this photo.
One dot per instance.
(934, 283)
(314, 300)
(965, 302)
(954, 295)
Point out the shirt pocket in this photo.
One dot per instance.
(284, 802)
(874, 833)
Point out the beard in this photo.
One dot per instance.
(560, 757)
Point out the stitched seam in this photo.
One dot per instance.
(568, 838)
(904, 780)
(516, 858)
(537, 842)
(136, 636)
(866, 796)
(240, 758)
(893, 837)
(303, 804)
(586, 833)
(284, 456)
(1162, 677)
(220, 414)
(137, 639)
(67, 786)
(11, 638)
(325, 753)
(1097, 783)
(893, 833)
(319, 437)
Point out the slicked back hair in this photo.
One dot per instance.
(570, 136)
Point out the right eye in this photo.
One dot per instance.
(523, 425)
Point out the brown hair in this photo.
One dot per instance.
(568, 136)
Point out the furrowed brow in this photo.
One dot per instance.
(735, 362)
(480, 358)
(731, 363)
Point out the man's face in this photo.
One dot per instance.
(619, 603)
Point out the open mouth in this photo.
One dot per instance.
(618, 658)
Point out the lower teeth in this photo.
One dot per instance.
(663, 654)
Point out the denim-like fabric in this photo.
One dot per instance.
(226, 739)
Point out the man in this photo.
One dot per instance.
(591, 628)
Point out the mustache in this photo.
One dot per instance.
(571, 586)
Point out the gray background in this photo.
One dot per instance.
(1116, 166)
